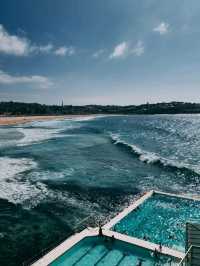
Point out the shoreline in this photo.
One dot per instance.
(14, 120)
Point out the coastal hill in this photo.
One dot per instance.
(18, 108)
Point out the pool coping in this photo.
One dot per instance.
(92, 232)
(89, 232)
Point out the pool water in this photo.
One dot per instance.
(93, 251)
(161, 219)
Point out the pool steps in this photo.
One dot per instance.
(192, 235)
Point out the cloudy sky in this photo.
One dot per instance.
(99, 51)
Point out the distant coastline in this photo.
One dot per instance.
(27, 111)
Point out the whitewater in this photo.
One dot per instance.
(56, 174)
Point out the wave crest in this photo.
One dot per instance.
(153, 158)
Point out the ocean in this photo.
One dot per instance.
(60, 175)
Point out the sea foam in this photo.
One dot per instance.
(14, 188)
(39, 131)
(35, 135)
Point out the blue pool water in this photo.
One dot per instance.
(56, 174)
(161, 219)
(94, 251)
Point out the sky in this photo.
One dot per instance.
(99, 51)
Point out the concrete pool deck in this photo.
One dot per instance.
(92, 232)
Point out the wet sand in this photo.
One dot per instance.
(13, 120)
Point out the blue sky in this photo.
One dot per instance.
(99, 51)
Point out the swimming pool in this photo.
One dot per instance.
(161, 219)
(101, 251)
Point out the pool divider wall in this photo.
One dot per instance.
(144, 244)
(89, 232)
(195, 198)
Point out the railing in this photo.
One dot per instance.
(88, 221)
(191, 256)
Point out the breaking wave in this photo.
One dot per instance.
(87, 118)
(39, 131)
(14, 188)
(153, 158)
(35, 135)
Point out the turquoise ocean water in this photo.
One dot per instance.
(56, 174)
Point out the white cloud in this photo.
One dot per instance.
(41, 49)
(18, 46)
(124, 49)
(138, 49)
(63, 51)
(162, 28)
(45, 48)
(11, 44)
(41, 81)
(98, 53)
(120, 50)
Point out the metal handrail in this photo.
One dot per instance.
(187, 253)
(185, 257)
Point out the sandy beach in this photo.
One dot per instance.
(13, 120)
